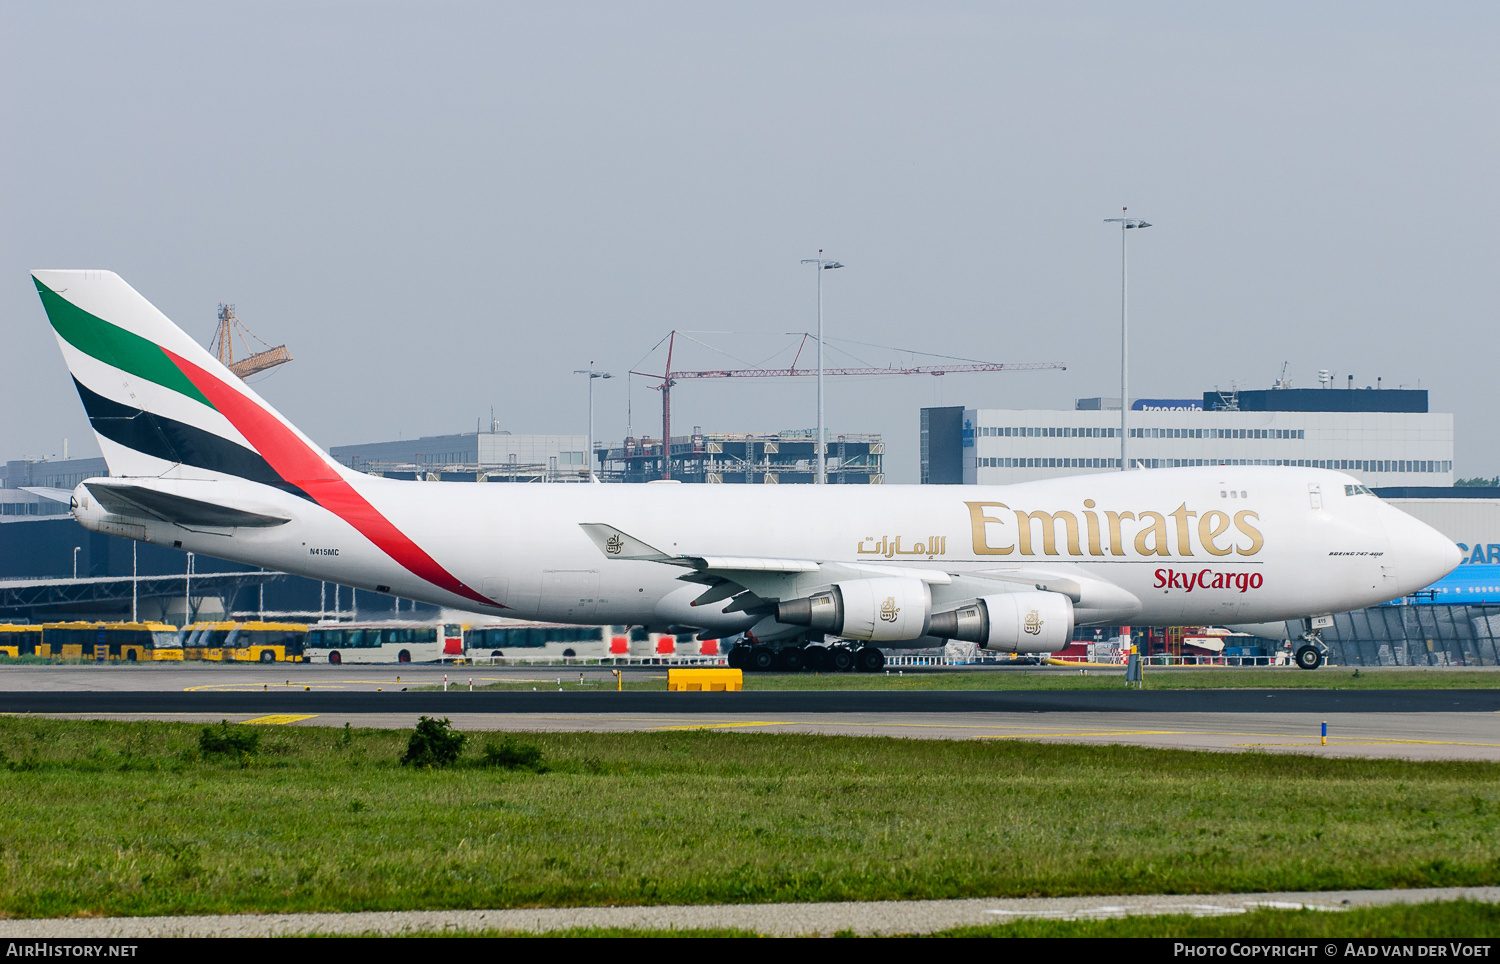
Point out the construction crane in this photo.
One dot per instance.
(670, 378)
(222, 346)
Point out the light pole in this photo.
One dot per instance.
(592, 375)
(1125, 224)
(823, 264)
(187, 593)
(75, 561)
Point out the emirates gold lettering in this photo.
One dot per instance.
(1157, 533)
(1049, 531)
(1256, 539)
(1212, 525)
(1116, 542)
(979, 523)
(1158, 528)
(1184, 535)
(1092, 522)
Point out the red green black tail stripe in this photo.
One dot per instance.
(304, 468)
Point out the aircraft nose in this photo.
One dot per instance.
(1422, 555)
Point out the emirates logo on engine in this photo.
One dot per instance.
(889, 610)
(1033, 623)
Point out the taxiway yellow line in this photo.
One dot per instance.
(280, 719)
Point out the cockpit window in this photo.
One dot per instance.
(1357, 490)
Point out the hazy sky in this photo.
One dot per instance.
(444, 207)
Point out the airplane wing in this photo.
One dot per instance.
(757, 583)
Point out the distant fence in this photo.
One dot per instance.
(595, 661)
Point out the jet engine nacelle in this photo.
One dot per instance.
(879, 610)
(1017, 622)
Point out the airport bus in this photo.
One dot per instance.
(255, 642)
(384, 642)
(593, 642)
(538, 639)
(17, 641)
(126, 642)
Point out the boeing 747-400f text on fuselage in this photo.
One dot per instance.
(200, 462)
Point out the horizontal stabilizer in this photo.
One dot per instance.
(56, 495)
(178, 510)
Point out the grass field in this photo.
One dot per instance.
(129, 818)
(1333, 678)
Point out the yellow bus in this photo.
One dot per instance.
(17, 641)
(127, 642)
(245, 642)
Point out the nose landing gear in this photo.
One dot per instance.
(1308, 657)
(1313, 652)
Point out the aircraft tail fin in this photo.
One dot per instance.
(158, 402)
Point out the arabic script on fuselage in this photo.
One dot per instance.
(889, 548)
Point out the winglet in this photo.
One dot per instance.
(619, 545)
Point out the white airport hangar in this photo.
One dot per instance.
(1383, 437)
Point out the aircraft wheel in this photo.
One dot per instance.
(267, 656)
(761, 658)
(870, 660)
(735, 658)
(816, 658)
(1308, 657)
(840, 660)
(791, 659)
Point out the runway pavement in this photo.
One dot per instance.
(1413, 724)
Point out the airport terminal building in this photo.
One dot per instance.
(1383, 437)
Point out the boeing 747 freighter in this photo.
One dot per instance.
(199, 461)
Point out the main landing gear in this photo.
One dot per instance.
(817, 658)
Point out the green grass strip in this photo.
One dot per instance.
(100, 817)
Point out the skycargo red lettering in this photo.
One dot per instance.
(1208, 579)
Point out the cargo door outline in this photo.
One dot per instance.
(571, 594)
